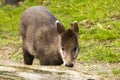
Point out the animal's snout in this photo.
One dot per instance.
(69, 65)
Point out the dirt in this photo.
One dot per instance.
(14, 69)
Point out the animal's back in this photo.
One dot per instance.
(37, 16)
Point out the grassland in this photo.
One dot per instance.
(99, 20)
(99, 35)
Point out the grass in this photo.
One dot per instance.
(99, 37)
(116, 72)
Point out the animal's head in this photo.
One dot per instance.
(69, 43)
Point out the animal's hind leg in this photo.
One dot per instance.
(28, 58)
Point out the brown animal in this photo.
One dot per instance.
(44, 37)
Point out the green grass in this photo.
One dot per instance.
(97, 42)
(104, 51)
(116, 72)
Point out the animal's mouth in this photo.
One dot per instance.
(69, 65)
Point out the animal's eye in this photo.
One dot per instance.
(74, 49)
(63, 49)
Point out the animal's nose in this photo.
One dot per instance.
(69, 65)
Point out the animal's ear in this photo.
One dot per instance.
(74, 26)
(60, 27)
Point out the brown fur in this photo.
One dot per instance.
(42, 37)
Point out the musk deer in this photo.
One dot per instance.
(45, 37)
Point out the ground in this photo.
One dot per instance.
(94, 70)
